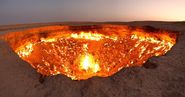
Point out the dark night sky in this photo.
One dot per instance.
(29, 11)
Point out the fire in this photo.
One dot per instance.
(90, 36)
(81, 52)
(25, 50)
(88, 63)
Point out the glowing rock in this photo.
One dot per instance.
(81, 52)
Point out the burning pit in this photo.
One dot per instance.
(81, 52)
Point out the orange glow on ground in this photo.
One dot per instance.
(81, 52)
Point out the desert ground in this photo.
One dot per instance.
(162, 76)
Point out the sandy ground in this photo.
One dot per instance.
(162, 76)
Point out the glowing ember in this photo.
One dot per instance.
(81, 52)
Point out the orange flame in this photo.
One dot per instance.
(81, 52)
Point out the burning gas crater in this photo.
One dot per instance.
(81, 52)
